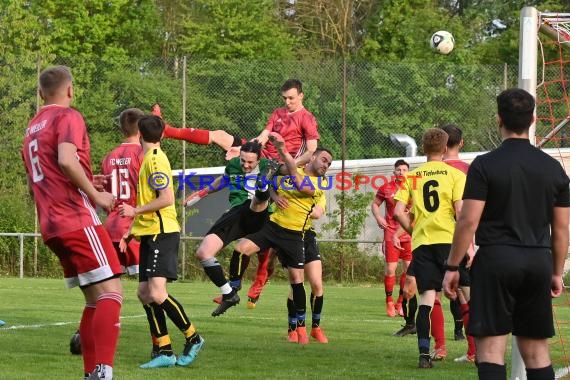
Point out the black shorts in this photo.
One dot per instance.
(159, 256)
(510, 292)
(427, 265)
(288, 244)
(410, 270)
(238, 222)
(311, 248)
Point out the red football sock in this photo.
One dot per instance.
(389, 282)
(86, 334)
(402, 280)
(192, 135)
(261, 276)
(106, 327)
(471, 349)
(437, 323)
(172, 132)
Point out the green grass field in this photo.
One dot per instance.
(42, 314)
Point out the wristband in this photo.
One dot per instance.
(202, 193)
(450, 268)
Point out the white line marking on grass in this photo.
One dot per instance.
(280, 318)
(235, 317)
(55, 324)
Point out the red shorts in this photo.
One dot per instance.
(87, 256)
(393, 254)
(130, 258)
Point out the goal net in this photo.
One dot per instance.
(544, 71)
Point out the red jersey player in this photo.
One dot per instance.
(121, 168)
(298, 127)
(294, 123)
(391, 227)
(56, 153)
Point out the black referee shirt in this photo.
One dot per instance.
(520, 185)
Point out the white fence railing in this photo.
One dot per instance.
(22, 235)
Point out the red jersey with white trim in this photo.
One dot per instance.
(62, 207)
(295, 127)
(386, 194)
(122, 164)
(458, 164)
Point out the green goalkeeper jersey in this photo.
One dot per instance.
(240, 184)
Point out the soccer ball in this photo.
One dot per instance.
(442, 42)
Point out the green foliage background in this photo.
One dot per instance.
(365, 63)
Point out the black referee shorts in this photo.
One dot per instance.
(510, 292)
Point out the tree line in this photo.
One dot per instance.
(370, 57)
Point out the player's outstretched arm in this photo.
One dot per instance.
(215, 186)
(560, 238)
(290, 164)
(306, 157)
(403, 217)
(263, 137)
(317, 212)
(375, 208)
(165, 198)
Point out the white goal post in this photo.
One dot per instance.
(556, 27)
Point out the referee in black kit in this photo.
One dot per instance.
(516, 200)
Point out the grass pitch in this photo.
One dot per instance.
(42, 314)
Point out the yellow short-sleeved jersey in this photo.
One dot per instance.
(155, 174)
(296, 217)
(432, 189)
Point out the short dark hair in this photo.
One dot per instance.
(252, 147)
(455, 134)
(52, 78)
(292, 83)
(128, 121)
(151, 128)
(320, 149)
(515, 107)
(401, 162)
